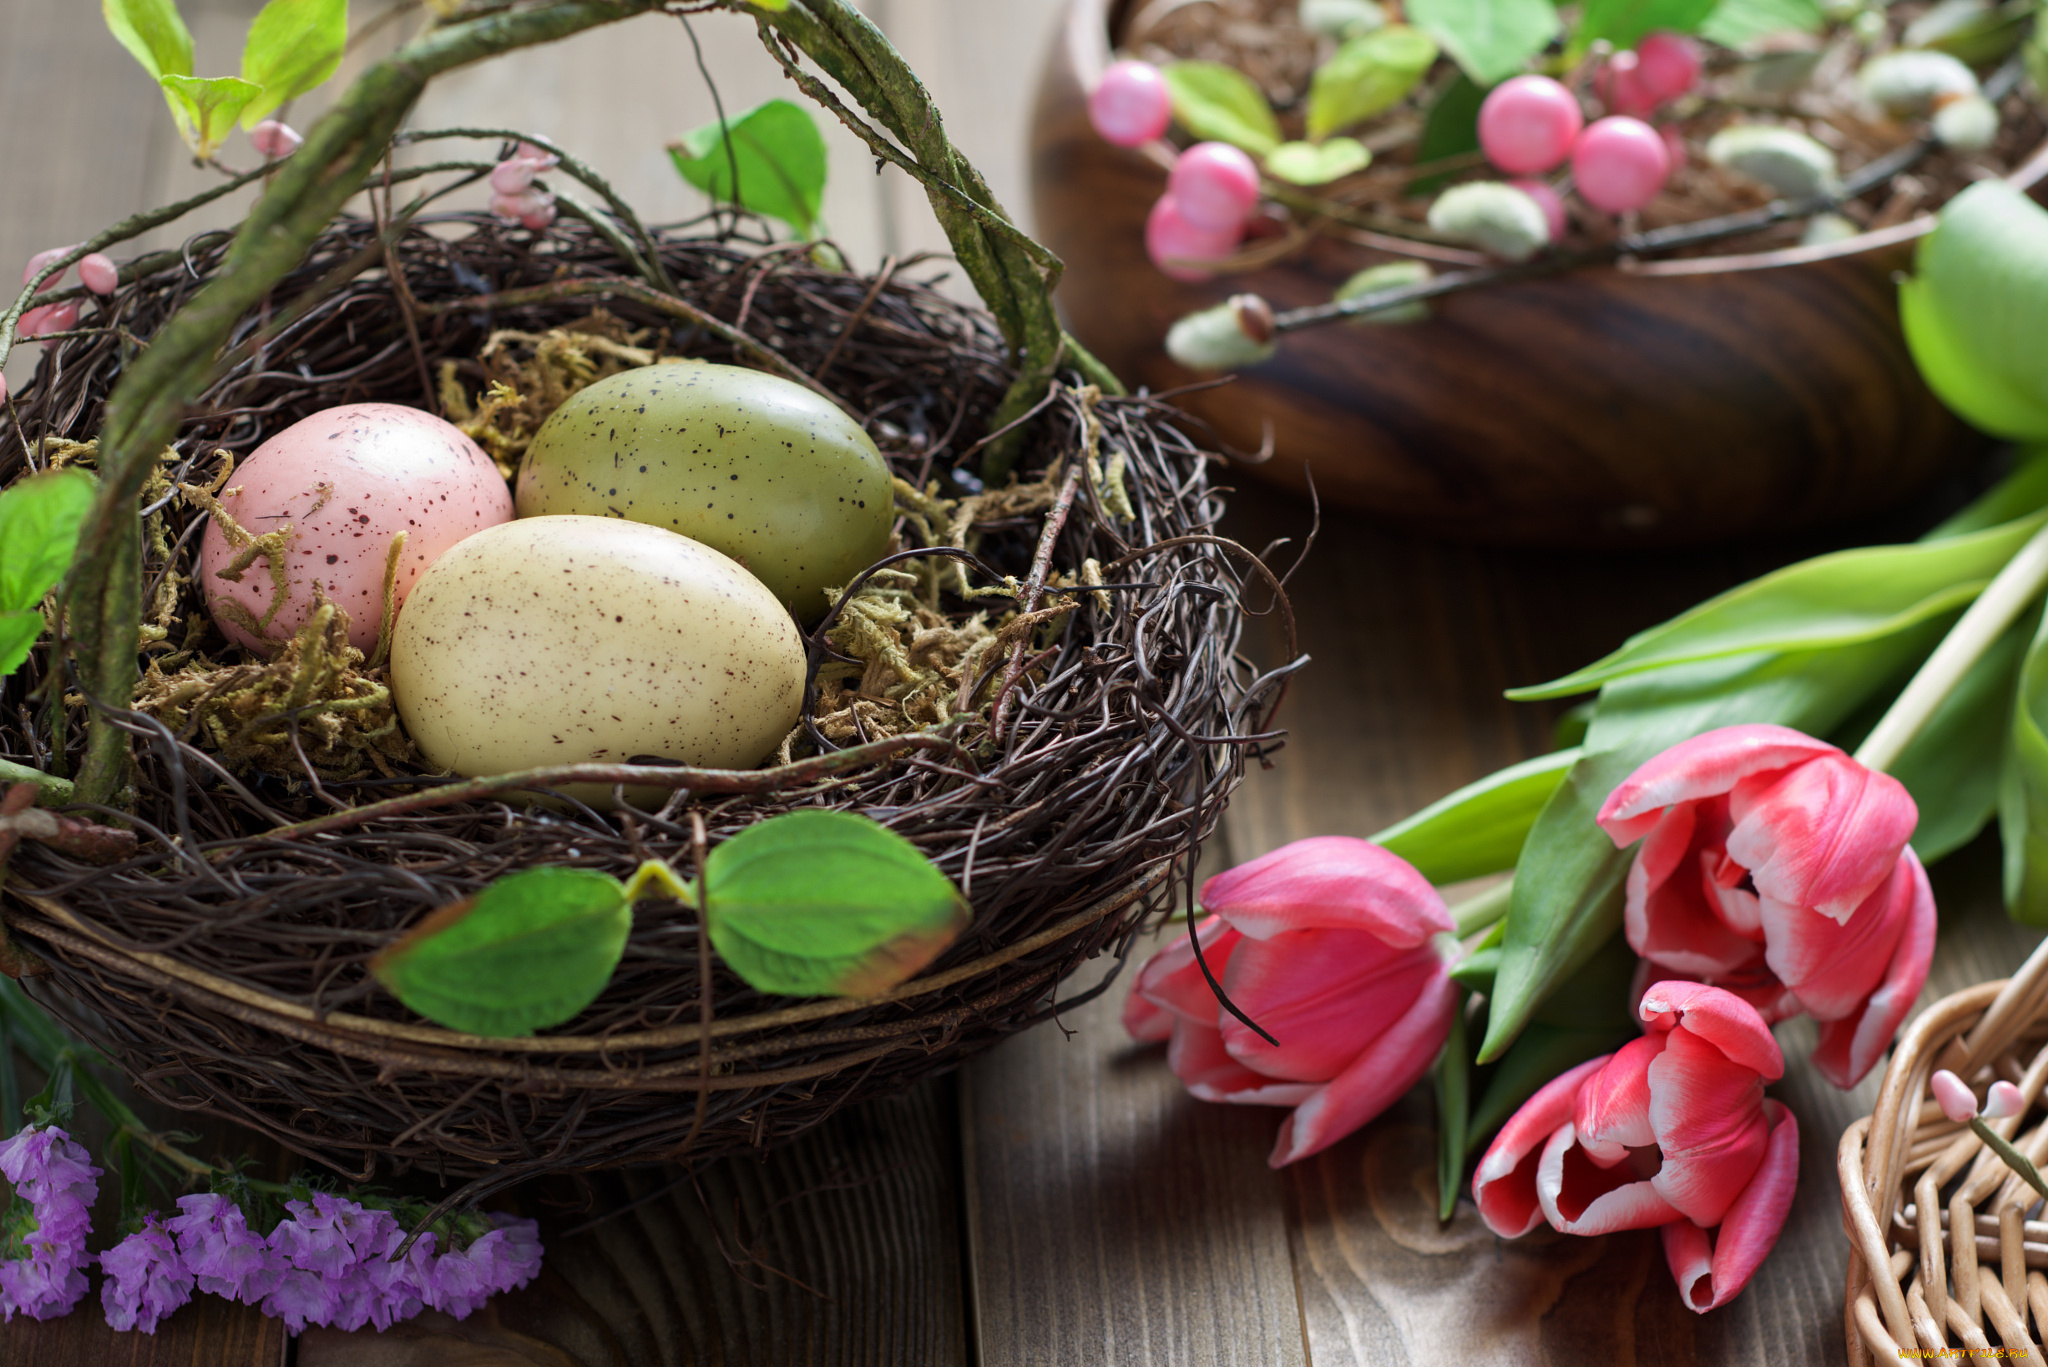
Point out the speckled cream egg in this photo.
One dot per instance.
(761, 468)
(345, 481)
(556, 640)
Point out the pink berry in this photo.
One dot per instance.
(1674, 145)
(273, 139)
(1131, 105)
(99, 274)
(1215, 185)
(1667, 65)
(1548, 201)
(511, 177)
(1620, 164)
(42, 259)
(532, 206)
(542, 159)
(3, 389)
(47, 319)
(1621, 86)
(1169, 237)
(1527, 123)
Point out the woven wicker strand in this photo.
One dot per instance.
(1911, 1178)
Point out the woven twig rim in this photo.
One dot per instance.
(279, 1013)
(1912, 1288)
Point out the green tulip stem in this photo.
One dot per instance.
(2014, 1159)
(1477, 913)
(2002, 601)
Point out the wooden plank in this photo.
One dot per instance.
(209, 1332)
(842, 1250)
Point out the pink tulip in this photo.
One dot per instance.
(1671, 1130)
(1775, 866)
(1339, 950)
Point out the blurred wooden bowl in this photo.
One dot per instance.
(1589, 408)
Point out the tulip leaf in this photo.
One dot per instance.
(1220, 102)
(1453, 1077)
(1479, 829)
(1587, 1017)
(1368, 75)
(1489, 39)
(1849, 597)
(1311, 163)
(206, 108)
(1738, 23)
(39, 522)
(1973, 307)
(1624, 22)
(2023, 790)
(2023, 491)
(528, 952)
(1451, 129)
(1569, 881)
(154, 34)
(779, 155)
(293, 46)
(822, 903)
(1952, 767)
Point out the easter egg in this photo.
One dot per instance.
(761, 468)
(340, 485)
(559, 640)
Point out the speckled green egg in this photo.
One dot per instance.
(758, 467)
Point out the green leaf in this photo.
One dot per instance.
(293, 46)
(780, 157)
(18, 632)
(1952, 768)
(1490, 39)
(154, 34)
(1738, 23)
(1587, 1017)
(1569, 881)
(1309, 163)
(206, 108)
(1624, 22)
(39, 522)
(530, 951)
(1450, 130)
(1972, 310)
(1832, 600)
(1480, 828)
(1220, 102)
(1368, 74)
(2023, 491)
(2023, 790)
(1453, 1074)
(821, 903)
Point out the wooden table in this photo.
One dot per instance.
(1062, 1201)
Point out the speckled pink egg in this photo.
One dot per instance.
(346, 480)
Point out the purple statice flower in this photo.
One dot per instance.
(42, 1262)
(399, 1287)
(145, 1278)
(301, 1298)
(504, 1258)
(222, 1252)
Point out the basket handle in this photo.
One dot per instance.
(1012, 273)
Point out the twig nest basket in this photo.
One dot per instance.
(224, 964)
(1911, 1178)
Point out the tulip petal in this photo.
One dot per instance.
(1389, 1066)
(1751, 1228)
(1198, 1059)
(1324, 994)
(1673, 912)
(1719, 1017)
(1613, 1111)
(1145, 1019)
(1338, 881)
(1824, 835)
(1708, 1116)
(1851, 1047)
(1752, 983)
(1708, 765)
(1689, 1253)
(1173, 981)
(1580, 1197)
(1504, 1185)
